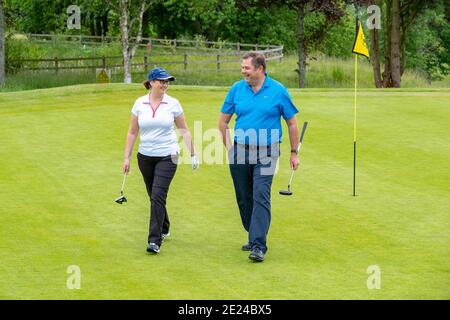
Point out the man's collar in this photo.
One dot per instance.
(265, 83)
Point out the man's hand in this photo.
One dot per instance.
(294, 161)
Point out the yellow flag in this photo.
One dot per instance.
(360, 46)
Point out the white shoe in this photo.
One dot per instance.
(165, 235)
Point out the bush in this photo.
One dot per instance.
(18, 49)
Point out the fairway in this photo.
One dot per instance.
(61, 158)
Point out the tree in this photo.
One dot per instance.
(400, 16)
(330, 10)
(95, 16)
(130, 15)
(309, 34)
(2, 44)
(44, 16)
(428, 42)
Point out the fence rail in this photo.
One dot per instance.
(153, 42)
(193, 53)
(106, 62)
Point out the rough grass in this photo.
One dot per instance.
(322, 71)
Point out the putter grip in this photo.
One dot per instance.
(305, 124)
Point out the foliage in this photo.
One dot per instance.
(44, 16)
(246, 21)
(428, 45)
(17, 49)
(340, 37)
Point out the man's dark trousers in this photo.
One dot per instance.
(252, 169)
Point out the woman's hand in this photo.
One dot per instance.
(194, 162)
(126, 165)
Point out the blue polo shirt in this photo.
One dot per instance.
(258, 114)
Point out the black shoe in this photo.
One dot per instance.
(256, 255)
(153, 248)
(247, 247)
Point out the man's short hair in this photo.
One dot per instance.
(258, 59)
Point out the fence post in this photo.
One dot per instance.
(56, 65)
(185, 61)
(104, 62)
(145, 63)
(218, 62)
(238, 47)
(149, 45)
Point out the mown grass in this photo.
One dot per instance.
(61, 169)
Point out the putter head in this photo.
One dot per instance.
(286, 192)
(121, 199)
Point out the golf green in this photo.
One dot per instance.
(61, 156)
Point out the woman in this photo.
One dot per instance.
(154, 116)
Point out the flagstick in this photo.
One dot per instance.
(354, 127)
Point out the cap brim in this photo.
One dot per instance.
(168, 78)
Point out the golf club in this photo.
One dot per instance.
(288, 192)
(122, 198)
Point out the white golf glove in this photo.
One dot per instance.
(194, 163)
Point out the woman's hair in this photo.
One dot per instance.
(147, 84)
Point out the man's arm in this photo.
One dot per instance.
(294, 140)
(224, 119)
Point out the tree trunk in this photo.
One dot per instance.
(395, 44)
(125, 35)
(105, 23)
(98, 26)
(301, 44)
(375, 58)
(126, 26)
(403, 56)
(139, 33)
(375, 52)
(387, 77)
(2, 45)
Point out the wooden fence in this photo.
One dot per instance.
(189, 54)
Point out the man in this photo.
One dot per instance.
(259, 102)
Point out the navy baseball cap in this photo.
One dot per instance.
(159, 74)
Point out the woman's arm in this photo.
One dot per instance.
(184, 131)
(133, 131)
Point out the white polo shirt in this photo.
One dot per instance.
(157, 133)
